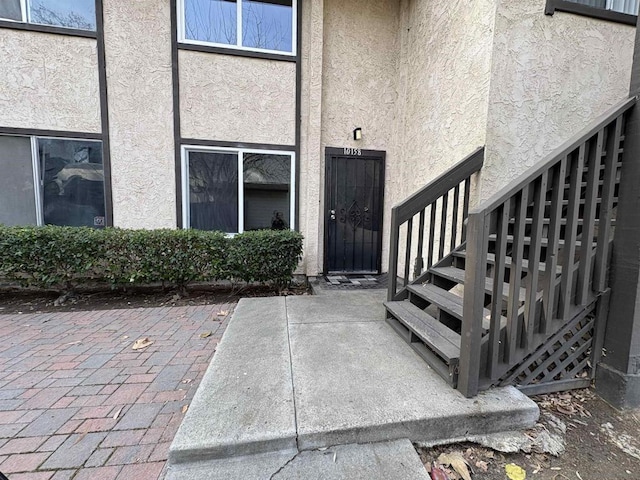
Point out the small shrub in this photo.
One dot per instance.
(267, 256)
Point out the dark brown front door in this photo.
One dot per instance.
(354, 194)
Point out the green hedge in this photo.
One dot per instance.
(64, 258)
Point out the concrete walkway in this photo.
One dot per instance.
(294, 376)
(77, 402)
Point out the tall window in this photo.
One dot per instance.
(237, 190)
(51, 181)
(76, 14)
(256, 25)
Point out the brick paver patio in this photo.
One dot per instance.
(77, 402)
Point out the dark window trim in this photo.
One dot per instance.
(193, 142)
(36, 27)
(236, 52)
(35, 132)
(586, 10)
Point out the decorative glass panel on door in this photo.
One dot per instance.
(267, 187)
(267, 24)
(72, 182)
(17, 198)
(10, 10)
(79, 14)
(212, 21)
(213, 191)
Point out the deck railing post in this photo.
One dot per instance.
(471, 338)
(393, 256)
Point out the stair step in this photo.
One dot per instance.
(444, 341)
(563, 221)
(544, 242)
(491, 259)
(581, 202)
(457, 275)
(447, 301)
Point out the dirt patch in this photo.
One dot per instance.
(601, 443)
(14, 301)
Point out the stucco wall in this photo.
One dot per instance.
(359, 81)
(138, 57)
(446, 68)
(311, 162)
(551, 76)
(48, 82)
(224, 97)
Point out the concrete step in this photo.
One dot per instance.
(397, 460)
(284, 380)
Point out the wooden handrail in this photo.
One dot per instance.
(563, 150)
(439, 186)
(418, 203)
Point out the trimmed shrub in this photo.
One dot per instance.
(63, 258)
(267, 256)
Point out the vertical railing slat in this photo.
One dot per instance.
(502, 232)
(588, 220)
(443, 225)
(475, 276)
(393, 256)
(454, 220)
(535, 247)
(407, 255)
(419, 260)
(465, 208)
(606, 206)
(553, 241)
(570, 233)
(432, 234)
(515, 275)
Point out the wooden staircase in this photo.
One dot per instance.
(514, 291)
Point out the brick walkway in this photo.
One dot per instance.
(76, 402)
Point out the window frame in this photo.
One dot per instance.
(26, 21)
(186, 149)
(588, 11)
(37, 170)
(238, 47)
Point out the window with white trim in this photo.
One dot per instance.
(235, 190)
(75, 14)
(51, 181)
(622, 6)
(253, 25)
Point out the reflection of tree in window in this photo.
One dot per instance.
(266, 181)
(81, 17)
(265, 24)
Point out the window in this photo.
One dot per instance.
(623, 11)
(75, 14)
(623, 6)
(51, 181)
(255, 25)
(237, 190)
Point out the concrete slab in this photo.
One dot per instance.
(359, 383)
(341, 308)
(396, 460)
(244, 404)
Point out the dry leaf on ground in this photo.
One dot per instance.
(185, 408)
(437, 473)
(482, 465)
(141, 343)
(457, 462)
(514, 472)
(115, 417)
(205, 334)
(223, 313)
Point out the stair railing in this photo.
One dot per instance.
(446, 223)
(548, 236)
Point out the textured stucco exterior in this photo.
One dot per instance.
(139, 82)
(230, 98)
(49, 82)
(551, 76)
(311, 161)
(446, 68)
